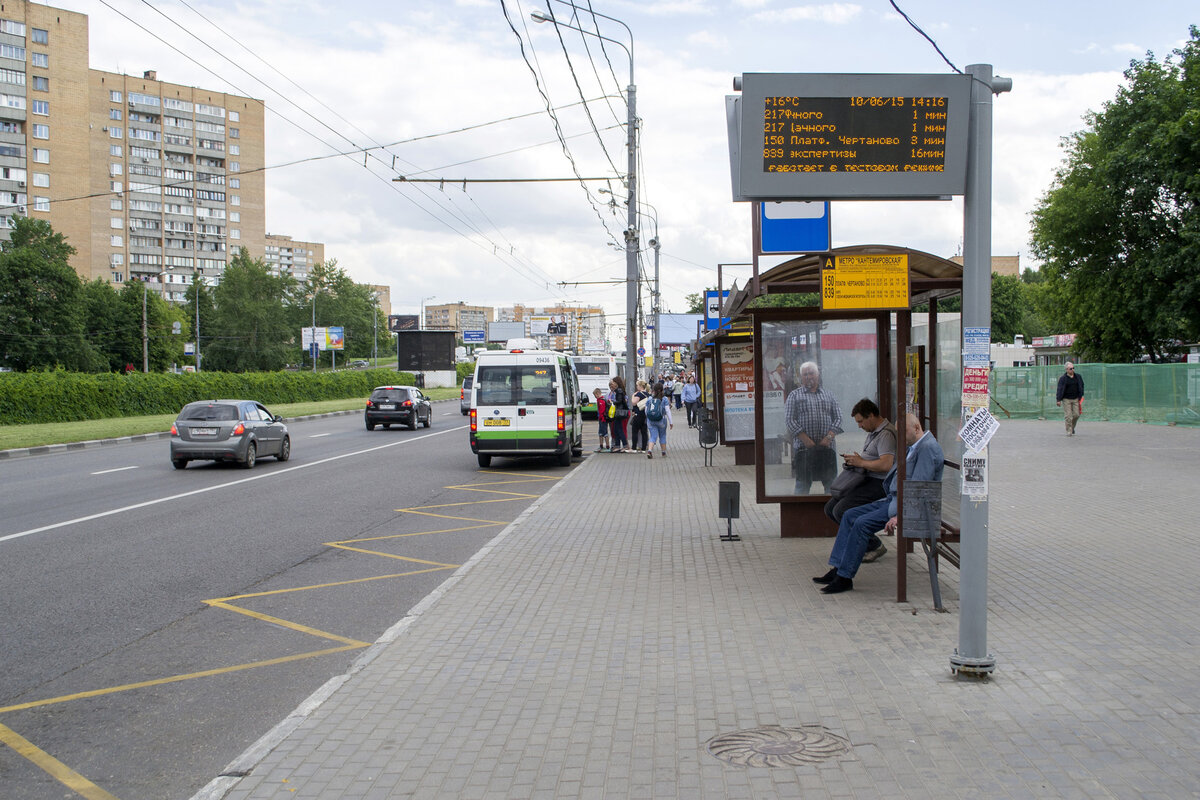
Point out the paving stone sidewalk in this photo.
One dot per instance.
(597, 647)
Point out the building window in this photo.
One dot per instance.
(39, 59)
(116, 240)
(41, 84)
(234, 233)
(235, 149)
(41, 179)
(235, 216)
(12, 100)
(235, 200)
(235, 133)
(115, 204)
(41, 203)
(114, 150)
(41, 107)
(116, 186)
(13, 27)
(41, 131)
(234, 116)
(235, 183)
(114, 95)
(115, 169)
(114, 113)
(235, 166)
(12, 51)
(40, 36)
(115, 133)
(13, 76)
(41, 156)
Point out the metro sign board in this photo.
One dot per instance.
(873, 282)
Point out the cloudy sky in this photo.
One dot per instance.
(459, 89)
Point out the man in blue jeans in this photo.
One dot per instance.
(923, 463)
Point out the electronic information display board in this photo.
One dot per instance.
(852, 137)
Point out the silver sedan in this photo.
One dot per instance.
(228, 430)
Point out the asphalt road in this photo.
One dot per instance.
(154, 623)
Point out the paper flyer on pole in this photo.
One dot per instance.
(975, 475)
(979, 430)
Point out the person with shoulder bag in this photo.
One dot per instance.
(620, 416)
(861, 479)
(638, 431)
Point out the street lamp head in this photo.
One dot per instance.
(538, 16)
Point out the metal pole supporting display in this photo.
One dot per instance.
(971, 656)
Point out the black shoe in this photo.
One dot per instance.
(838, 586)
(827, 577)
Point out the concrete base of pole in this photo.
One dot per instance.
(979, 667)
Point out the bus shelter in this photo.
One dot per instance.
(901, 359)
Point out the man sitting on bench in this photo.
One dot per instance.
(923, 463)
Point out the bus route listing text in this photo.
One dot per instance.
(855, 134)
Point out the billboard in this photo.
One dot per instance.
(403, 322)
(325, 338)
(503, 331)
(425, 351)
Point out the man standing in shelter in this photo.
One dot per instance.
(923, 463)
(1070, 392)
(813, 420)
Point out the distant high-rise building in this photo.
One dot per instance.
(148, 180)
(287, 257)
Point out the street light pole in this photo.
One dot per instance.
(421, 321)
(631, 232)
(196, 280)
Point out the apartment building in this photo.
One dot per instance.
(148, 180)
(560, 327)
(287, 257)
(458, 317)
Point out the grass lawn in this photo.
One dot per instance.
(18, 436)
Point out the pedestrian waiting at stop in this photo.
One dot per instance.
(602, 416)
(638, 433)
(861, 479)
(924, 462)
(691, 396)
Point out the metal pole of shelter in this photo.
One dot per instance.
(971, 656)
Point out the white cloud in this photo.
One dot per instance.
(832, 13)
(707, 39)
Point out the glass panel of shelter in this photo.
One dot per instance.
(814, 371)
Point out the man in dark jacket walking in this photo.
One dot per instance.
(1070, 391)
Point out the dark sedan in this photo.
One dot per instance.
(397, 405)
(228, 430)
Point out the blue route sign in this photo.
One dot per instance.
(793, 227)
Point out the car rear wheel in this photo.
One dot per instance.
(414, 420)
(370, 425)
(179, 463)
(564, 458)
(251, 456)
(484, 461)
(285, 449)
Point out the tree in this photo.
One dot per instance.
(1119, 228)
(41, 316)
(340, 303)
(250, 324)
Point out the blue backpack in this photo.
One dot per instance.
(654, 411)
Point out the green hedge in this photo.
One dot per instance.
(41, 397)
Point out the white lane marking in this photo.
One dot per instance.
(319, 435)
(118, 469)
(260, 476)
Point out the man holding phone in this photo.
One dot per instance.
(877, 456)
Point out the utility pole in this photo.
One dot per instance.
(145, 335)
(196, 281)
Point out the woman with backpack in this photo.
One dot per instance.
(638, 431)
(658, 419)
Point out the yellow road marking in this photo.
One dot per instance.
(208, 673)
(53, 767)
(90, 791)
(333, 637)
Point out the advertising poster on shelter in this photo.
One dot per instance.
(737, 390)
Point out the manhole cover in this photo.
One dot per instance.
(773, 746)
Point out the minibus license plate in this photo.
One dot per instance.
(499, 422)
